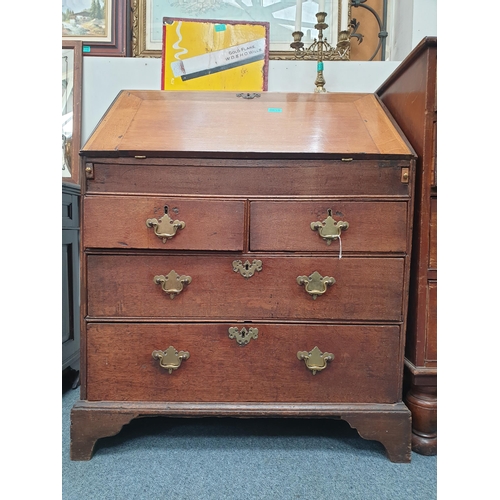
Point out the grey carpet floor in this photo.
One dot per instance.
(240, 459)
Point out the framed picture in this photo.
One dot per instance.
(72, 61)
(214, 55)
(101, 25)
(147, 20)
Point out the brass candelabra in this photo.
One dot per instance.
(320, 50)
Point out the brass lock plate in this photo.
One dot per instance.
(243, 336)
(247, 269)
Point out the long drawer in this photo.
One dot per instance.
(250, 177)
(365, 365)
(143, 286)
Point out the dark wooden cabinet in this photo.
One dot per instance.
(245, 258)
(410, 96)
(70, 279)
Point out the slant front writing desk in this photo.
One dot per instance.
(245, 256)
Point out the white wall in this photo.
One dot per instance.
(400, 28)
(409, 22)
(424, 20)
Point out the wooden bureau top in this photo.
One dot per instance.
(220, 124)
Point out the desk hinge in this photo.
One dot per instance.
(405, 175)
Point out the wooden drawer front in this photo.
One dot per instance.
(433, 235)
(120, 222)
(286, 226)
(251, 177)
(123, 286)
(365, 368)
(431, 325)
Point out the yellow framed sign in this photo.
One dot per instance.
(214, 55)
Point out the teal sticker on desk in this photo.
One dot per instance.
(274, 110)
(220, 27)
(86, 48)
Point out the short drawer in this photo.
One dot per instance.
(314, 226)
(132, 222)
(123, 286)
(120, 366)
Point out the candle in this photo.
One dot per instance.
(298, 16)
(321, 6)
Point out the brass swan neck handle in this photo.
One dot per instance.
(329, 229)
(165, 227)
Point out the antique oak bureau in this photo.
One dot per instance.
(245, 255)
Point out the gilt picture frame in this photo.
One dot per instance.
(103, 26)
(147, 20)
(72, 63)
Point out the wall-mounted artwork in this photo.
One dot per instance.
(102, 25)
(147, 20)
(71, 109)
(214, 55)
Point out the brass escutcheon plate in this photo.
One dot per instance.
(243, 336)
(247, 269)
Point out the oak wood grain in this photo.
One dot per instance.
(122, 286)
(247, 177)
(295, 123)
(120, 222)
(286, 226)
(432, 263)
(251, 177)
(95, 419)
(121, 366)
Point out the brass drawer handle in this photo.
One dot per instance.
(315, 284)
(243, 336)
(246, 269)
(171, 358)
(329, 229)
(165, 228)
(315, 360)
(173, 283)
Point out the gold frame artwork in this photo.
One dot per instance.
(147, 23)
(72, 62)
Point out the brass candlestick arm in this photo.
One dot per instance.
(320, 49)
(321, 16)
(297, 44)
